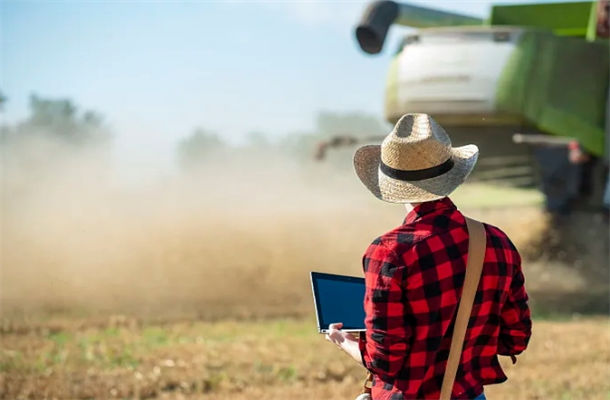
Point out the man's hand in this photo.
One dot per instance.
(344, 340)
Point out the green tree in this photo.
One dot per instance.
(198, 147)
(59, 118)
(3, 100)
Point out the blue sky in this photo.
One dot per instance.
(157, 69)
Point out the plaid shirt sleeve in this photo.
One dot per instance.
(516, 323)
(384, 346)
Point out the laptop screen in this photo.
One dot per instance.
(338, 298)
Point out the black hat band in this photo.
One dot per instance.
(416, 174)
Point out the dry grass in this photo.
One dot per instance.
(274, 359)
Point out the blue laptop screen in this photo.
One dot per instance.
(338, 299)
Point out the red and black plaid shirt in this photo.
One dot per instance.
(414, 276)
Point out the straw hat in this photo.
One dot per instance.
(415, 163)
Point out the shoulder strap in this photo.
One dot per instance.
(474, 265)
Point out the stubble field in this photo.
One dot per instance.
(271, 359)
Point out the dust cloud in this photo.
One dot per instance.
(235, 236)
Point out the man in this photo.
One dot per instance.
(414, 274)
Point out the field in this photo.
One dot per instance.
(177, 291)
(272, 359)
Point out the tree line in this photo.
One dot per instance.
(64, 121)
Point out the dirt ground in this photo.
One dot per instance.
(272, 359)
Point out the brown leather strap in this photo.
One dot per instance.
(368, 383)
(474, 265)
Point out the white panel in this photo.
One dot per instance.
(452, 72)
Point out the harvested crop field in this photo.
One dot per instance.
(272, 359)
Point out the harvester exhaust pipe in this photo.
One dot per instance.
(380, 15)
(374, 25)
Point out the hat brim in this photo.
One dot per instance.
(367, 160)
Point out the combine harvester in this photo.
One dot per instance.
(539, 69)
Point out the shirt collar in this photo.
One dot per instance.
(429, 207)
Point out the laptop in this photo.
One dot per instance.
(338, 298)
